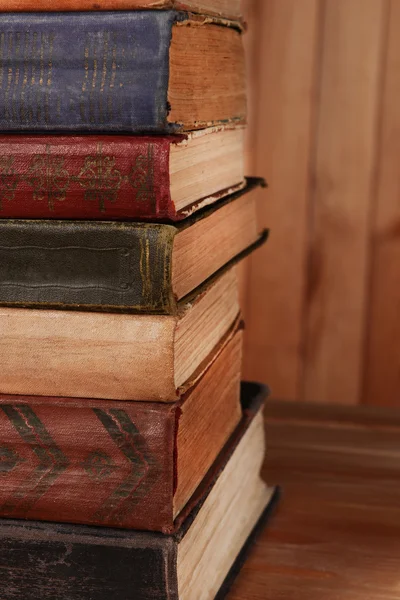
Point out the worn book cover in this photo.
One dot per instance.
(103, 177)
(124, 266)
(48, 561)
(116, 356)
(121, 464)
(123, 71)
(228, 9)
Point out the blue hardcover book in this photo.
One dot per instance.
(139, 71)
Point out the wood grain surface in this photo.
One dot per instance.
(281, 106)
(336, 532)
(323, 296)
(344, 172)
(382, 372)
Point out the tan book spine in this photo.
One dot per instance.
(114, 356)
(229, 9)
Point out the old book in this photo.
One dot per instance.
(127, 266)
(121, 464)
(115, 356)
(118, 177)
(229, 9)
(122, 71)
(49, 561)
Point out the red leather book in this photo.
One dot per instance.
(118, 177)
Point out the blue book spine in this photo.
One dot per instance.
(92, 72)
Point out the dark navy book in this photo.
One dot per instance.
(89, 71)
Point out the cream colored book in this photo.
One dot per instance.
(116, 356)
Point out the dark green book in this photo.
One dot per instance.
(126, 266)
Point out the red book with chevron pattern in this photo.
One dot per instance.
(121, 464)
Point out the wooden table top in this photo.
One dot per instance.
(336, 532)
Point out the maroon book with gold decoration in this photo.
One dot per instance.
(118, 177)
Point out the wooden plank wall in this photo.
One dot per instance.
(382, 368)
(281, 145)
(323, 296)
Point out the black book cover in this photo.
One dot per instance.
(99, 265)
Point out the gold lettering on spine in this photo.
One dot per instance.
(114, 61)
(9, 74)
(86, 64)
(14, 101)
(144, 267)
(112, 78)
(1, 59)
(48, 80)
(92, 116)
(34, 41)
(95, 64)
(106, 41)
(23, 112)
(42, 45)
(100, 66)
(41, 78)
(86, 78)
(33, 77)
(104, 73)
(123, 69)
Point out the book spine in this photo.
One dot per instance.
(87, 264)
(229, 9)
(93, 71)
(98, 463)
(81, 354)
(50, 561)
(85, 177)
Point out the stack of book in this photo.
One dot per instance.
(129, 450)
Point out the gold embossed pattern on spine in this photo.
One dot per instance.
(48, 178)
(105, 56)
(26, 67)
(26, 75)
(155, 257)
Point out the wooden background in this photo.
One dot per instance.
(322, 298)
